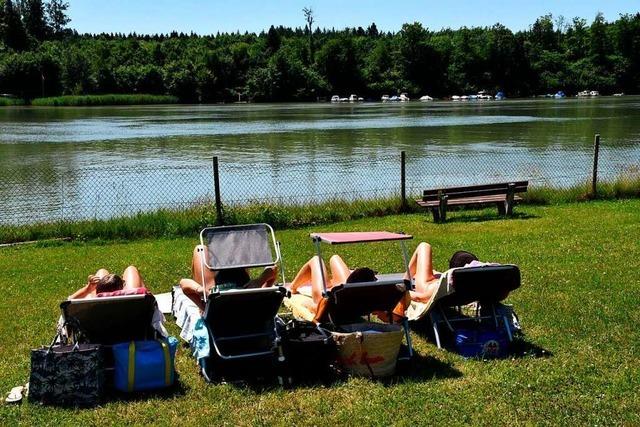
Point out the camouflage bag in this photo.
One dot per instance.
(67, 375)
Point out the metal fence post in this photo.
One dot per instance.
(403, 181)
(596, 154)
(216, 188)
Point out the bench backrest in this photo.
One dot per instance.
(475, 190)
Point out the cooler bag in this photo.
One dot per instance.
(309, 350)
(481, 343)
(144, 365)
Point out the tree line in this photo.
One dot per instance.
(41, 56)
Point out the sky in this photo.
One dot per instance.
(211, 16)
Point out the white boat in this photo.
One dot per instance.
(394, 98)
(426, 98)
(344, 99)
(618, 94)
(464, 98)
(583, 93)
(354, 98)
(594, 93)
(404, 97)
(384, 98)
(335, 98)
(455, 98)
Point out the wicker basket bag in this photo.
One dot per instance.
(368, 349)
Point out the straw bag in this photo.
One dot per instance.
(368, 349)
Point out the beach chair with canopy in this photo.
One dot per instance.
(349, 302)
(484, 287)
(241, 322)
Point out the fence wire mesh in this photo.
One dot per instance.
(36, 195)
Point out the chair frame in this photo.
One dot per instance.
(276, 347)
(317, 240)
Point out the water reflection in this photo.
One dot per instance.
(97, 162)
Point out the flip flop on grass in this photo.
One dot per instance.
(16, 394)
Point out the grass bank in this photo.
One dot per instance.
(187, 222)
(578, 301)
(7, 102)
(98, 100)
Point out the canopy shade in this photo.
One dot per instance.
(359, 237)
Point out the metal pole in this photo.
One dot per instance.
(403, 180)
(596, 154)
(216, 187)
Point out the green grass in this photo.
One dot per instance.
(578, 301)
(98, 100)
(7, 102)
(179, 223)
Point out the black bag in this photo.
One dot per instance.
(67, 375)
(309, 351)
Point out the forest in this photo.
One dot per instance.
(42, 56)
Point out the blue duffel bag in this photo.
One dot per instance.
(144, 365)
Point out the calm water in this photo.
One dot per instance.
(88, 162)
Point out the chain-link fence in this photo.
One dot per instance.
(46, 195)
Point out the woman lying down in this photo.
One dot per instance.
(105, 284)
(309, 279)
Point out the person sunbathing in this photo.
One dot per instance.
(234, 278)
(420, 267)
(103, 281)
(311, 275)
(426, 279)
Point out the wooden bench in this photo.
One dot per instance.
(502, 194)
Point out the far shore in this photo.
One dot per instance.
(146, 99)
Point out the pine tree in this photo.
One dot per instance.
(35, 22)
(13, 34)
(58, 18)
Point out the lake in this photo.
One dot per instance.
(98, 162)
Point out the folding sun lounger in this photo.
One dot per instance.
(349, 302)
(242, 322)
(110, 320)
(485, 286)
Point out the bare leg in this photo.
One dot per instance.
(266, 279)
(311, 273)
(198, 271)
(339, 270)
(421, 267)
(193, 290)
(89, 290)
(132, 278)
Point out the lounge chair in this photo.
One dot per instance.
(348, 303)
(110, 320)
(483, 286)
(242, 322)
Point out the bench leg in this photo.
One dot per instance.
(436, 214)
(508, 203)
(501, 208)
(443, 207)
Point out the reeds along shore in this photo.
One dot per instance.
(188, 222)
(99, 100)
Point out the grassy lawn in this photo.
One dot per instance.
(578, 301)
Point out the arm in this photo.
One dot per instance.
(88, 290)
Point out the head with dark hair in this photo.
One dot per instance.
(237, 276)
(363, 274)
(110, 283)
(461, 258)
